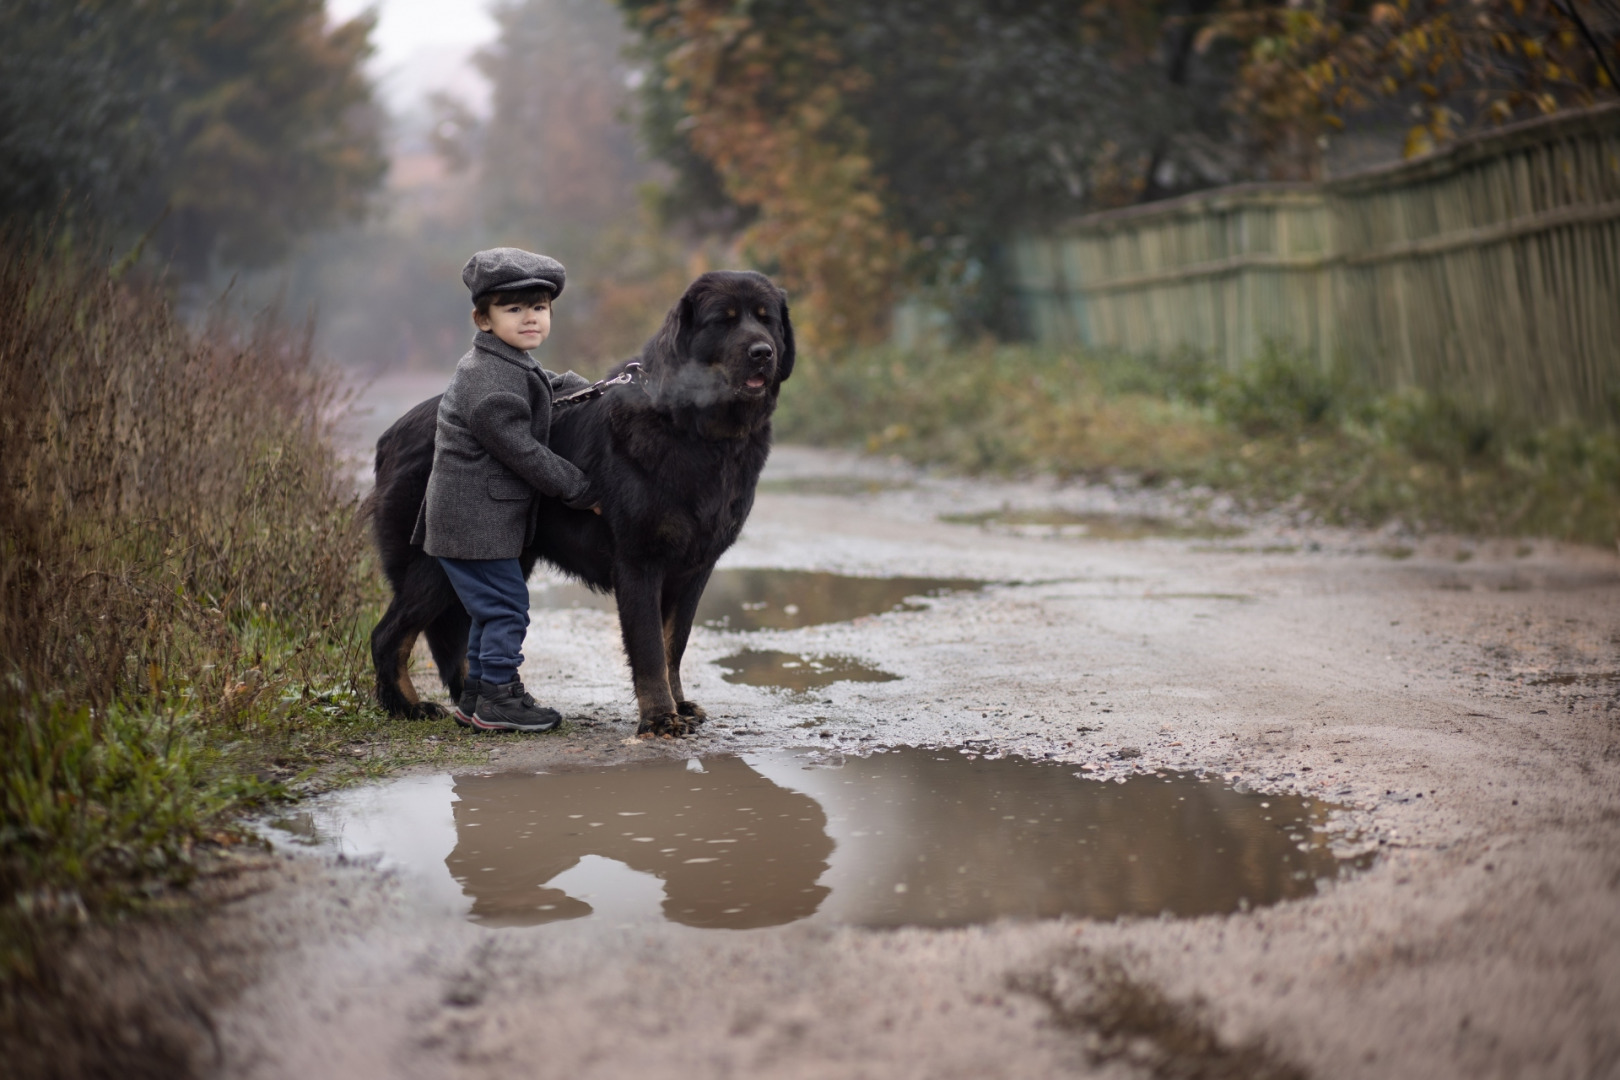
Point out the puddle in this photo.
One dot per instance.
(1576, 678)
(910, 837)
(781, 599)
(300, 827)
(1071, 525)
(792, 671)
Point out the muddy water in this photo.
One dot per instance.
(781, 599)
(1071, 525)
(908, 837)
(1576, 678)
(796, 672)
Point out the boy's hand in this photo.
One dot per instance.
(585, 500)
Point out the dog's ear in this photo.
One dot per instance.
(673, 342)
(785, 368)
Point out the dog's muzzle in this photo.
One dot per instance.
(761, 353)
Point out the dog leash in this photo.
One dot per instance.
(631, 374)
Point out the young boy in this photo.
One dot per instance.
(489, 460)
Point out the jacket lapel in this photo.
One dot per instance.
(539, 387)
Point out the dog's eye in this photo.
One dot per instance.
(762, 311)
(731, 313)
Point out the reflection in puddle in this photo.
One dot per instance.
(780, 599)
(909, 837)
(791, 671)
(731, 848)
(1092, 526)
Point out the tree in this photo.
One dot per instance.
(857, 137)
(558, 153)
(558, 166)
(876, 144)
(231, 126)
(1448, 66)
(765, 106)
(71, 121)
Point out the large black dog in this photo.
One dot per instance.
(675, 457)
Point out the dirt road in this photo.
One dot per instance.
(1459, 702)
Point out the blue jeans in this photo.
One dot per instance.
(496, 595)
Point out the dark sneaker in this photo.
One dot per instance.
(510, 708)
(463, 713)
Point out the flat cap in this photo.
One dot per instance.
(507, 269)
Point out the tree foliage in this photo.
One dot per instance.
(764, 103)
(876, 144)
(1450, 66)
(870, 145)
(231, 126)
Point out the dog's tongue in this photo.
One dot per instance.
(756, 382)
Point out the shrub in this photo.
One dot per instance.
(1280, 392)
(158, 487)
(182, 568)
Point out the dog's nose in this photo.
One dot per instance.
(761, 350)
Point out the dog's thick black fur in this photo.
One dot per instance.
(675, 460)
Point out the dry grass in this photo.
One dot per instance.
(1280, 431)
(185, 586)
(162, 490)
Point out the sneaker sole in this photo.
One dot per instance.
(538, 729)
(462, 718)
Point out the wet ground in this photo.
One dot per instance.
(1433, 721)
(1048, 522)
(771, 599)
(900, 837)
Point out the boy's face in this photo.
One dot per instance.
(522, 326)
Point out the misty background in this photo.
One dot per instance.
(507, 127)
(340, 159)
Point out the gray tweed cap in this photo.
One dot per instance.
(507, 269)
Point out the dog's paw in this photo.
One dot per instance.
(692, 711)
(668, 725)
(424, 710)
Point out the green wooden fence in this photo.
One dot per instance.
(1490, 270)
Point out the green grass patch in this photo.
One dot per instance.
(1280, 431)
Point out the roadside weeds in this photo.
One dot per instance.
(185, 584)
(1277, 432)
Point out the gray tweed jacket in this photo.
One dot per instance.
(490, 455)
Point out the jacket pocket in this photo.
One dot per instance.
(509, 489)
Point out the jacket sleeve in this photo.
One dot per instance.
(566, 383)
(500, 423)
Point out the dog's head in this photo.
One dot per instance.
(727, 342)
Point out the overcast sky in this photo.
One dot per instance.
(424, 45)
